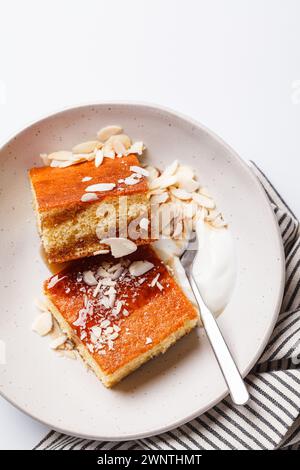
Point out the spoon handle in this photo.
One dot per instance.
(236, 386)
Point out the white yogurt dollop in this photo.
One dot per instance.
(216, 265)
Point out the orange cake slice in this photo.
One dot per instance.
(71, 204)
(119, 313)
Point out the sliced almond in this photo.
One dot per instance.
(136, 147)
(43, 324)
(132, 179)
(54, 280)
(89, 278)
(185, 179)
(59, 341)
(219, 222)
(99, 158)
(138, 268)
(189, 185)
(154, 280)
(86, 178)
(69, 354)
(100, 187)
(108, 151)
(61, 155)
(121, 138)
(155, 191)
(100, 252)
(171, 169)
(106, 132)
(88, 197)
(119, 147)
(181, 194)
(159, 198)
(96, 331)
(163, 182)
(86, 147)
(152, 172)
(139, 170)
(66, 163)
(120, 246)
(45, 159)
(62, 164)
(88, 156)
(203, 201)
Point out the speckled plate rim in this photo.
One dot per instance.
(276, 232)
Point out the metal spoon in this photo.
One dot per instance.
(236, 386)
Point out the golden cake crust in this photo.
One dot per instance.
(58, 188)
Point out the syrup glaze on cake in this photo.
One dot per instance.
(59, 188)
(121, 316)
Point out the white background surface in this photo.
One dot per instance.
(234, 65)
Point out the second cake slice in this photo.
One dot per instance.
(120, 313)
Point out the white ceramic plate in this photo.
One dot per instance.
(184, 382)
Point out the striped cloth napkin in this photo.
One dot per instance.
(271, 419)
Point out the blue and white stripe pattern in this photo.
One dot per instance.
(271, 419)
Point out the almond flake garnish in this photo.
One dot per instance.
(171, 169)
(154, 280)
(163, 182)
(181, 194)
(152, 173)
(45, 159)
(136, 147)
(86, 178)
(62, 164)
(119, 139)
(86, 147)
(120, 246)
(139, 170)
(138, 268)
(159, 198)
(132, 179)
(106, 132)
(119, 147)
(43, 324)
(54, 280)
(108, 151)
(61, 155)
(203, 201)
(59, 341)
(100, 252)
(89, 278)
(116, 144)
(185, 179)
(100, 187)
(99, 158)
(89, 197)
